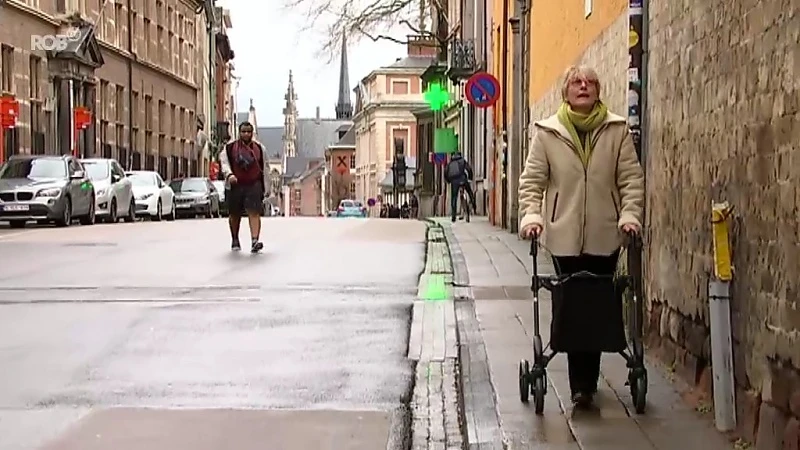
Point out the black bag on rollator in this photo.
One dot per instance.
(587, 316)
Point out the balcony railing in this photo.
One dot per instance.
(461, 59)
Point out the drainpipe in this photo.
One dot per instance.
(637, 73)
(212, 73)
(131, 136)
(719, 296)
(516, 125)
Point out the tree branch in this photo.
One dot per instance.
(363, 18)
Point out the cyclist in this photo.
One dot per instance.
(459, 174)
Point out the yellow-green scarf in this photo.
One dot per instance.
(586, 123)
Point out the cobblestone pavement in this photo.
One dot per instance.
(494, 316)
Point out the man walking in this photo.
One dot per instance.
(459, 173)
(245, 167)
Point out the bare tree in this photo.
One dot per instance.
(340, 187)
(369, 18)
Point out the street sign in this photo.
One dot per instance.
(83, 118)
(482, 90)
(439, 158)
(9, 111)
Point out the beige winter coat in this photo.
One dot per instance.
(583, 209)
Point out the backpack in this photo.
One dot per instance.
(455, 169)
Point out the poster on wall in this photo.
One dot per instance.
(635, 48)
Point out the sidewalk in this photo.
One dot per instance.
(494, 315)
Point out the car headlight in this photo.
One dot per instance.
(143, 196)
(51, 192)
(101, 192)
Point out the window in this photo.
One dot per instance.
(159, 43)
(162, 116)
(34, 168)
(183, 134)
(400, 87)
(172, 120)
(120, 105)
(135, 22)
(7, 67)
(34, 78)
(102, 100)
(147, 26)
(136, 110)
(353, 189)
(353, 161)
(118, 18)
(148, 113)
(587, 8)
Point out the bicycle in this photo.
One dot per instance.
(465, 205)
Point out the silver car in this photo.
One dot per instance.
(45, 189)
(112, 189)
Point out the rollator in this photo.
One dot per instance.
(601, 302)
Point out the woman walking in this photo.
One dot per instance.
(582, 185)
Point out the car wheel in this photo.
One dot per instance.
(159, 213)
(112, 212)
(131, 217)
(89, 218)
(66, 217)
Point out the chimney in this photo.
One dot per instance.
(422, 46)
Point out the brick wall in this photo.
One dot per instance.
(724, 114)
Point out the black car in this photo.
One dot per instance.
(195, 197)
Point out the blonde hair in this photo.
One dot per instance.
(575, 72)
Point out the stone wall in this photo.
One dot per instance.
(724, 124)
(608, 55)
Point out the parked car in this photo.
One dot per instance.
(351, 208)
(112, 189)
(45, 189)
(154, 198)
(195, 196)
(223, 205)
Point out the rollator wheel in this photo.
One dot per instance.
(539, 389)
(639, 391)
(524, 380)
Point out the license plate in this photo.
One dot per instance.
(16, 208)
(184, 205)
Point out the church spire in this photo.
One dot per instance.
(290, 121)
(344, 109)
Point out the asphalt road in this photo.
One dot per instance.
(155, 336)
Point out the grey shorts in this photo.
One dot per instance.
(245, 198)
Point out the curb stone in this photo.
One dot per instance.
(477, 406)
(433, 346)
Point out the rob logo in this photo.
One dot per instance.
(50, 42)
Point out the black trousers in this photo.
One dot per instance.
(584, 367)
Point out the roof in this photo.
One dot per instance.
(348, 140)
(314, 136)
(411, 62)
(297, 166)
(272, 138)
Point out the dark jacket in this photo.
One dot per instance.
(458, 170)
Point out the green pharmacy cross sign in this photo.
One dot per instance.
(436, 96)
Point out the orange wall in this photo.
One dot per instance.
(560, 34)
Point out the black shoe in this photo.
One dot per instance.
(257, 246)
(235, 245)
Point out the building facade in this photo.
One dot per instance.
(340, 161)
(384, 121)
(132, 64)
(719, 124)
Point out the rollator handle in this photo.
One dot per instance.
(535, 245)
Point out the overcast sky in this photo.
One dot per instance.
(268, 42)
